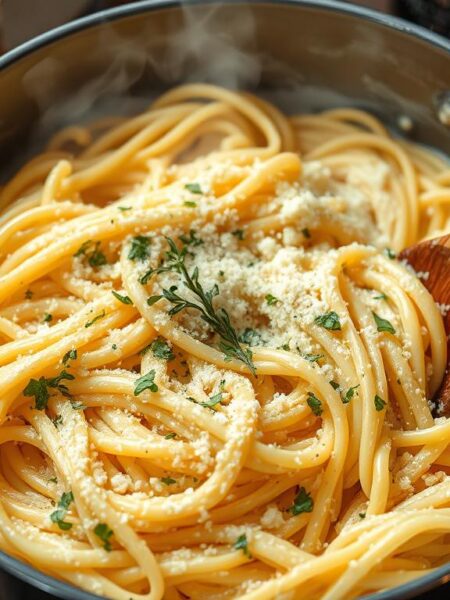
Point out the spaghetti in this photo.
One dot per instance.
(216, 378)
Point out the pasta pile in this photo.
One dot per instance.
(216, 378)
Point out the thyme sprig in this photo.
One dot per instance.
(217, 319)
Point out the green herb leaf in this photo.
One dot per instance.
(303, 503)
(329, 320)
(78, 405)
(103, 532)
(218, 320)
(213, 400)
(28, 294)
(238, 233)
(271, 300)
(192, 240)
(161, 349)
(190, 204)
(82, 249)
(383, 324)
(53, 480)
(123, 299)
(335, 385)
(168, 480)
(380, 297)
(313, 357)
(251, 337)
(390, 253)
(146, 382)
(349, 394)
(124, 208)
(97, 258)
(362, 515)
(95, 319)
(59, 514)
(314, 404)
(139, 248)
(170, 436)
(153, 300)
(194, 188)
(39, 389)
(57, 421)
(242, 544)
(306, 232)
(47, 318)
(70, 355)
(379, 403)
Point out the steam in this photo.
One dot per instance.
(215, 43)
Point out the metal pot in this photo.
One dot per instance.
(304, 55)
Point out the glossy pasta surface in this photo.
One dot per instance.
(216, 378)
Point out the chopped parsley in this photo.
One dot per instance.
(57, 420)
(192, 240)
(139, 248)
(95, 256)
(251, 337)
(161, 349)
(194, 188)
(313, 357)
(303, 503)
(168, 480)
(146, 382)
(238, 233)
(47, 318)
(383, 324)
(379, 403)
(314, 404)
(70, 355)
(78, 405)
(334, 385)
(96, 318)
(53, 480)
(271, 300)
(329, 320)
(103, 532)
(190, 204)
(123, 299)
(211, 403)
(381, 296)
(124, 208)
(362, 515)
(28, 294)
(306, 232)
(39, 388)
(170, 436)
(390, 253)
(349, 394)
(59, 514)
(242, 544)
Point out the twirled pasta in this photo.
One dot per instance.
(144, 454)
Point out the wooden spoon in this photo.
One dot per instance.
(433, 257)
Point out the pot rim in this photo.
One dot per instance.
(26, 572)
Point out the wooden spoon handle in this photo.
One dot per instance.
(432, 260)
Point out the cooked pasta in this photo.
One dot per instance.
(217, 379)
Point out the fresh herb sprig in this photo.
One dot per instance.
(217, 319)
